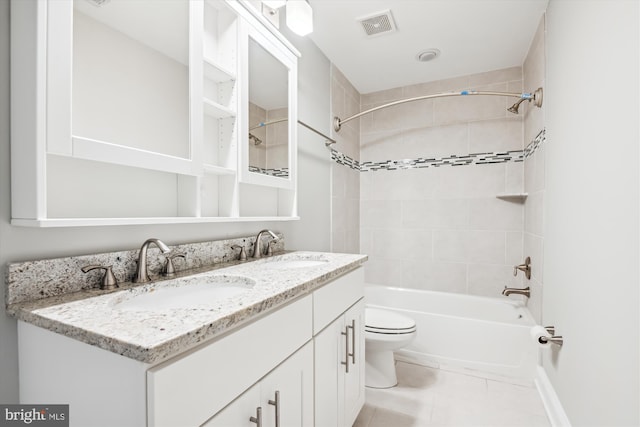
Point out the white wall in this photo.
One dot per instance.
(591, 209)
(21, 244)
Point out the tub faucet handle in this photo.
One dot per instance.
(526, 268)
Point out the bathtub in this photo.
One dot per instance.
(488, 337)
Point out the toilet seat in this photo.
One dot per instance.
(387, 322)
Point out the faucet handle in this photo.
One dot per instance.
(243, 252)
(109, 280)
(169, 269)
(526, 268)
(270, 246)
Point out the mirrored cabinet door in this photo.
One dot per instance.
(268, 132)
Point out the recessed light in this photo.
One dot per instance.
(428, 55)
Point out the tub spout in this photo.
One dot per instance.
(508, 291)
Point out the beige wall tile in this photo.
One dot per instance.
(435, 214)
(489, 280)
(380, 214)
(499, 135)
(495, 214)
(435, 142)
(434, 276)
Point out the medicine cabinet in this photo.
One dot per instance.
(134, 112)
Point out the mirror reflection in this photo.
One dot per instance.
(268, 137)
(131, 73)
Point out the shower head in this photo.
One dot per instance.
(514, 108)
(536, 97)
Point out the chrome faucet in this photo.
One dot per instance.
(141, 271)
(508, 291)
(257, 246)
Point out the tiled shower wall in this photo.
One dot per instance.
(345, 200)
(534, 173)
(442, 228)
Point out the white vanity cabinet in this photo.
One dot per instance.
(301, 363)
(339, 352)
(127, 112)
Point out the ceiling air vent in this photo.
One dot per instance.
(378, 23)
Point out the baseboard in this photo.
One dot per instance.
(555, 411)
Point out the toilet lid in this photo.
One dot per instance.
(383, 321)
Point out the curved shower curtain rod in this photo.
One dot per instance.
(536, 97)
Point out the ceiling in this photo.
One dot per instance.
(473, 36)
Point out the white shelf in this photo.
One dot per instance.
(92, 222)
(514, 197)
(218, 170)
(216, 110)
(100, 151)
(217, 72)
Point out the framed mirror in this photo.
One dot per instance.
(268, 130)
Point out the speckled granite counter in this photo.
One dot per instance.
(150, 336)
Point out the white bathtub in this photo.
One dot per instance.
(483, 336)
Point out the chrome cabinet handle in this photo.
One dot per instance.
(346, 348)
(258, 418)
(276, 403)
(353, 341)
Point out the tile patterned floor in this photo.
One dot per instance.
(433, 397)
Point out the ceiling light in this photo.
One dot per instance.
(274, 4)
(299, 17)
(428, 55)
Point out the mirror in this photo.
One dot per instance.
(268, 139)
(131, 74)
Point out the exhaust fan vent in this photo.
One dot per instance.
(378, 23)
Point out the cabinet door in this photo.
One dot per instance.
(239, 412)
(354, 379)
(329, 375)
(287, 392)
(291, 407)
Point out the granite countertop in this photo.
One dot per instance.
(102, 318)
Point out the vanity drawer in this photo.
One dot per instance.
(191, 389)
(334, 298)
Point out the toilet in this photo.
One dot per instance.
(384, 332)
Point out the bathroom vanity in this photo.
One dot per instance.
(284, 348)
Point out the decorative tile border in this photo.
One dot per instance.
(420, 162)
(279, 172)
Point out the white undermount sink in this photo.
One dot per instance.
(286, 264)
(201, 293)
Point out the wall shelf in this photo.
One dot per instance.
(218, 111)
(513, 197)
(217, 72)
(218, 170)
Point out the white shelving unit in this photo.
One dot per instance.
(64, 179)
